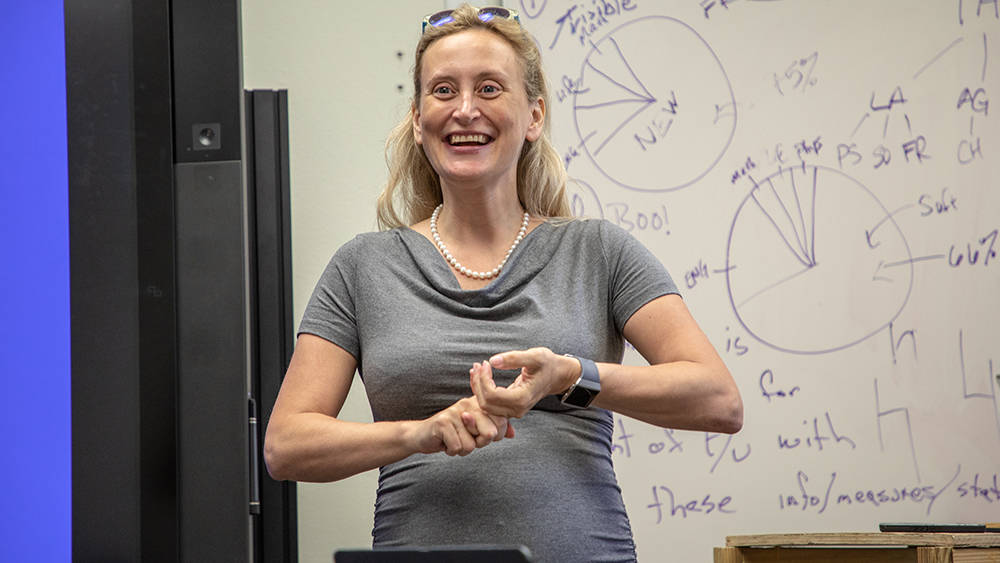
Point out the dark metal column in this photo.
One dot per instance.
(271, 304)
(122, 280)
(104, 310)
(212, 307)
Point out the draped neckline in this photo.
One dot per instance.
(528, 259)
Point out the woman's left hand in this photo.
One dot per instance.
(542, 373)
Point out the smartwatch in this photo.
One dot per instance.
(587, 386)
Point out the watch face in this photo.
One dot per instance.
(580, 396)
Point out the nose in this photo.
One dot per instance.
(468, 107)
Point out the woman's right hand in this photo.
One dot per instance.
(460, 429)
(305, 441)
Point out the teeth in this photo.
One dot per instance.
(481, 139)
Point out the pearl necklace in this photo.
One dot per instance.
(462, 269)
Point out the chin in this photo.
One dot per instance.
(464, 174)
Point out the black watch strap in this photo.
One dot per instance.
(587, 386)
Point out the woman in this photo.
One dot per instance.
(457, 316)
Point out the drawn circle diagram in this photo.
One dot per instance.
(533, 8)
(653, 106)
(815, 263)
(583, 200)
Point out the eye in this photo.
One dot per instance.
(442, 90)
(490, 90)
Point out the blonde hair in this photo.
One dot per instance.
(414, 190)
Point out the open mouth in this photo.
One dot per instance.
(469, 140)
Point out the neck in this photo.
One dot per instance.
(480, 215)
(472, 272)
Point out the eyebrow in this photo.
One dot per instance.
(487, 74)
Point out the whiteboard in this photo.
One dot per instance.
(821, 179)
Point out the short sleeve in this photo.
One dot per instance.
(331, 313)
(636, 276)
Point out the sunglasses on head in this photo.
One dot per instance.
(486, 13)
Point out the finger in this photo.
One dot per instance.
(460, 418)
(501, 402)
(511, 401)
(468, 441)
(450, 439)
(506, 360)
(507, 402)
(510, 430)
(514, 359)
(485, 378)
(474, 380)
(482, 383)
(503, 427)
(469, 420)
(484, 428)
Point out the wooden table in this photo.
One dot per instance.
(878, 547)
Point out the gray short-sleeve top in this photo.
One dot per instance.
(392, 301)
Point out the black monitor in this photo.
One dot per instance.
(436, 554)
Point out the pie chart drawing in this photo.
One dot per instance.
(815, 263)
(583, 200)
(653, 106)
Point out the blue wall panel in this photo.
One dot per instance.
(35, 511)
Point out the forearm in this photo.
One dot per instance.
(318, 448)
(682, 394)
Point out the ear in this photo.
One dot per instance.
(537, 120)
(415, 112)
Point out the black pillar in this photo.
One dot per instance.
(212, 281)
(158, 268)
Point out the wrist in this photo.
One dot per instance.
(410, 435)
(570, 374)
(587, 385)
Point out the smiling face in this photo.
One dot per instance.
(473, 115)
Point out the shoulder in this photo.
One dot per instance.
(366, 243)
(377, 238)
(588, 227)
(594, 233)
(358, 256)
(579, 228)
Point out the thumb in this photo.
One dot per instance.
(513, 359)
